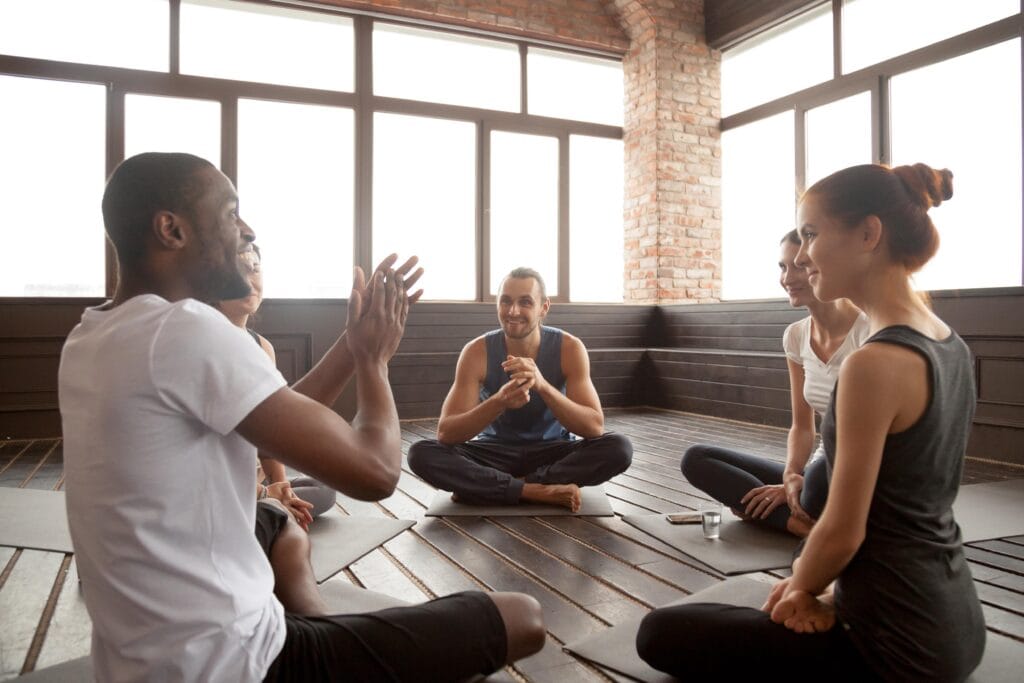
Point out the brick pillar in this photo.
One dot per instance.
(673, 155)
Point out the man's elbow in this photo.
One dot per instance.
(379, 484)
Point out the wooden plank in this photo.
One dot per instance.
(599, 599)
(70, 631)
(994, 559)
(1000, 597)
(22, 600)
(1002, 547)
(378, 573)
(1003, 621)
(602, 567)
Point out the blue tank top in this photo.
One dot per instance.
(534, 421)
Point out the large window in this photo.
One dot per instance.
(51, 179)
(347, 136)
(424, 202)
(933, 81)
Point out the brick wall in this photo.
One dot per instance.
(672, 109)
(582, 23)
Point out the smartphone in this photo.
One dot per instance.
(683, 518)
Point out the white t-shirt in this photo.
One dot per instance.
(160, 492)
(820, 378)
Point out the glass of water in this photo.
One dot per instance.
(711, 518)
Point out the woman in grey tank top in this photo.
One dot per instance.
(882, 589)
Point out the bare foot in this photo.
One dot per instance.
(565, 495)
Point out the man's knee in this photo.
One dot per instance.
(618, 452)
(423, 455)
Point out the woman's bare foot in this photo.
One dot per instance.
(798, 526)
(566, 495)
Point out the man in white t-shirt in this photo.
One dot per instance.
(154, 384)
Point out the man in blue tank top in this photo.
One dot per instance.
(520, 394)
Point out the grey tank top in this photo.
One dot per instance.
(907, 597)
(534, 421)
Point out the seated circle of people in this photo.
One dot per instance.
(788, 497)
(882, 590)
(304, 497)
(520, 393)
(154, 383)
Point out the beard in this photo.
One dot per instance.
(223, 279)
(522, 332)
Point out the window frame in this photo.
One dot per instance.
(875, 79)
(121, 81)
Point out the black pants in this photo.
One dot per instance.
(487, 471)
(728, 475)
(712, 642)
(448, 639)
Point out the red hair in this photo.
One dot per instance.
(900, 197)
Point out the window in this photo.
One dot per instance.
(524, 233)
(596, 243)
(790, 57)
(246, 42)
(52, 157)
(758, 205)
(875, 30)
(88, 32)
(980, 227)
(838, 135)
(438, 67)
(295, 187)
(570, 86)
(424, 199)
(172, 124)
(328, 177)
(932, 81)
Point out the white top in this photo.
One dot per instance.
(820, 378)
(160, 492)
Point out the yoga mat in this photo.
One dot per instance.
(594, 504)
(34, 519)
(991, 510)
(344, 598)
(615, 647)
(72, 671)
(742, 547)
(337, 540)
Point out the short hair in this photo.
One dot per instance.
(522, 273)
(141, 186)
(900, 197)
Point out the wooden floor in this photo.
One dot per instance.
(588, 573)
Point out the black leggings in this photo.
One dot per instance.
(728, 475)
(713, 642)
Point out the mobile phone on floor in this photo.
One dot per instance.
(692, 517)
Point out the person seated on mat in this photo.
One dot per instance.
(903, 606)
(154, 383)
(521, 391)
(791, 496)
(272, 480)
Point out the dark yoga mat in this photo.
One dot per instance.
(34, 519)
(337, 541)
(991, 510)
(594, 504)
(743, 547)
(615, 647)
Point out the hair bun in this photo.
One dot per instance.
(926, 186)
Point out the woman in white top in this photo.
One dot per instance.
(788, 497)
(318, 497)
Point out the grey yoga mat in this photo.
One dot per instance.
(991, 510)
(34, 519)
(741, 548)
(615, 647)
(594, 504)
(337, 541)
